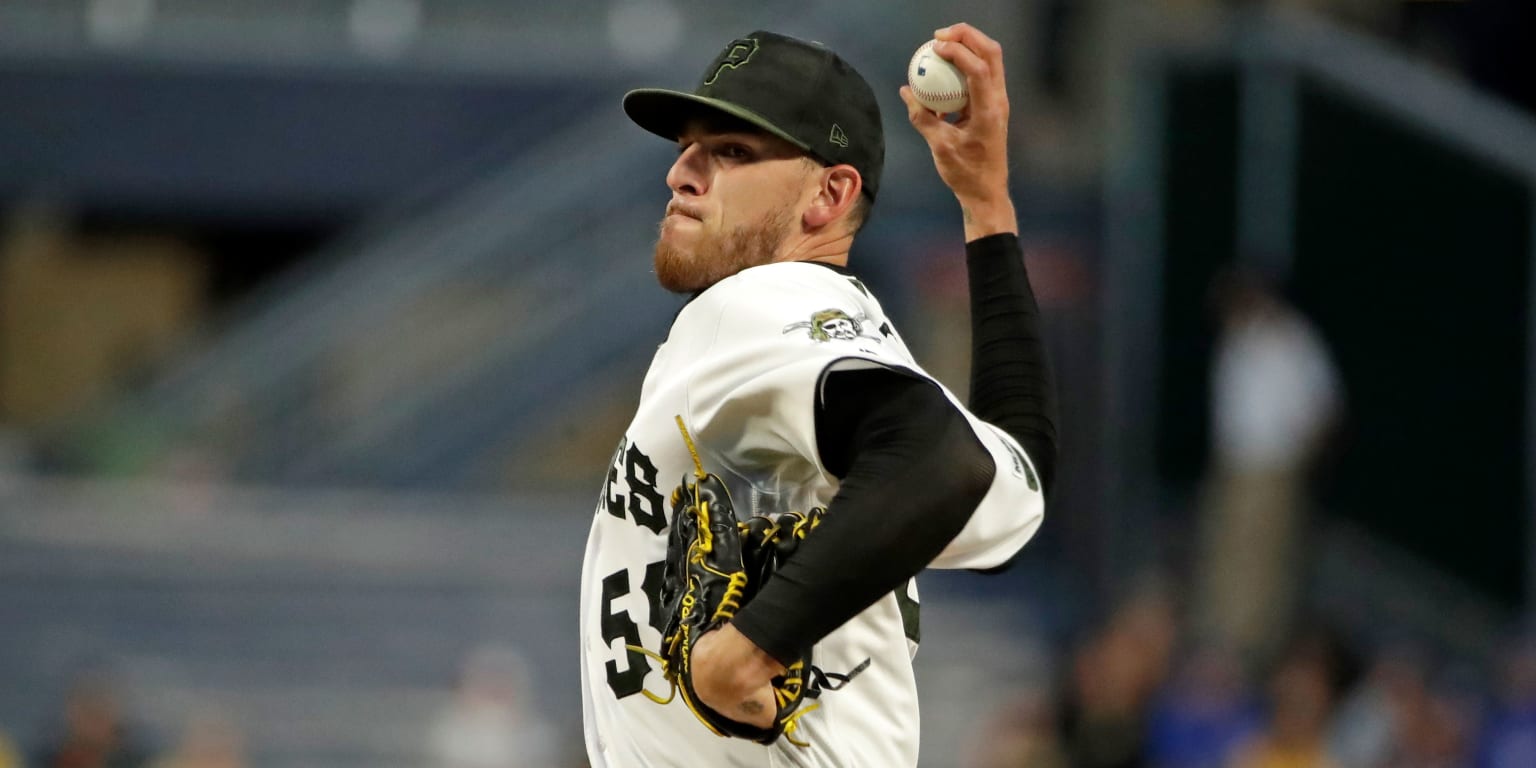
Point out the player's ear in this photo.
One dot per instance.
(836, 196)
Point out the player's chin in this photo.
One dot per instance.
(675, 268)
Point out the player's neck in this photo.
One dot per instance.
(819, 247)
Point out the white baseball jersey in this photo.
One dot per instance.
(743, 366)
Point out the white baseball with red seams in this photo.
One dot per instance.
(936, 83)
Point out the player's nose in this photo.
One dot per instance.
(686, 176)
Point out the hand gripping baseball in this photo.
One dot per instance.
(971, 153)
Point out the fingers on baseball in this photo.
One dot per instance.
(925, 120)
(978, 73)
(973, 39)
(978, 57)
(963, 58)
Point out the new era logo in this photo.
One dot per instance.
(838, 137)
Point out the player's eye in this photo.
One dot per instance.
(734, 151)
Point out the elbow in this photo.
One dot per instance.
(1023, 495)
(1002, 567)
(1046, 466)
(1040, 446)
(1020, 530)
(978, 468)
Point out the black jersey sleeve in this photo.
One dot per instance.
(912, 473)
(1012, 384)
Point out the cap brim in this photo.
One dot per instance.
(665, 113)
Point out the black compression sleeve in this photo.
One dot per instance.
(1011, 381)
(913, 472)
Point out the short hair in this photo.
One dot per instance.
(860, 212)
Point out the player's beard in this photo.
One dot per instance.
(712, 256)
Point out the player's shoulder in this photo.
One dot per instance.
(787, 279)
(786, 290)
(794, 299)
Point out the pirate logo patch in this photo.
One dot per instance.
(833, 324)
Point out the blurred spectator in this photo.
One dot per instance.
(1301, 695)
(1204, 714)
(1022, 735)
(1508, 739)
(486, 725)
(9, 757)
(93, 734)
(1365, 727)
(208, 742)
(1393, 720)
(1113, 678)
(1274, 392)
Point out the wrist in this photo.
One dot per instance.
(752, 660)
(983, 218)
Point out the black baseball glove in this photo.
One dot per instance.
(715, 564)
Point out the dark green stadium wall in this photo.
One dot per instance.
(1413, 259)
(1199, 235)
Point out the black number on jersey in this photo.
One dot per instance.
(654, 573)
(638, 496)
(618, 625)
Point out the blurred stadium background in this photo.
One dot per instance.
(319, 320)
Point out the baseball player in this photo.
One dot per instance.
(796, 389)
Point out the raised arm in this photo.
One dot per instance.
(1011, 382)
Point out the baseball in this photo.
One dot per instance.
(936, 83)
